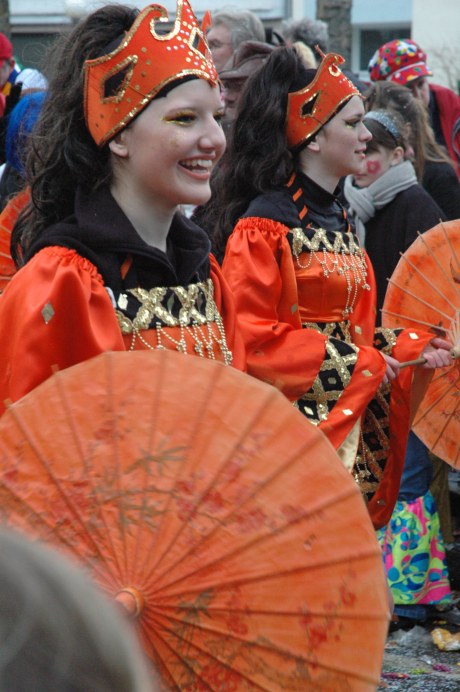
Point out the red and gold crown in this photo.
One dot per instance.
(325, 94)
(147, 61)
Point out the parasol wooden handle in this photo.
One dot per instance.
(416, 361)
(131, 600)
(455, 353)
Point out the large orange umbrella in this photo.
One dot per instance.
(424, 292)
(201, 499)
(8, 218)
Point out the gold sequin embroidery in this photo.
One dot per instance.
(204, 326)
(318, 400)
(343, 256)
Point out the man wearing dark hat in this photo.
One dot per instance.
(245, 61)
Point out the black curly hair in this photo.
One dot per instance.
(62, 153)
(257, 158)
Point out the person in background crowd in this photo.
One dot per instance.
(57, 632)
(21, 121)
(388, 206)
(14, 82)
(413, 547)
(11, 73)
(229, 29)
(107, 260)
(311, 32)
(311, 39)
(245, 61)
(404, 62)
(433, 167)
(304, 288)
(435, 171)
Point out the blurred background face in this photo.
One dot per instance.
(231, 95)
(5, 70)
(220, 44)
(376, 162)
(420, 90)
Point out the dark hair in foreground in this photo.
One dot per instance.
(57, 632)
(257, 158)
(63, 154)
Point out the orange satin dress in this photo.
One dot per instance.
(56, 311)
(305, 298)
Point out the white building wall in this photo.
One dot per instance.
(436, 28)
(376, 12)
(29, 12)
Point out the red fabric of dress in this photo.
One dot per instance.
(59, 310)
(305, 298)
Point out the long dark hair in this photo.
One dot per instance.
(257, 158)
(63, 154)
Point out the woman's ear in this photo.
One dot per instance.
(118, 145)
(397, 156)
(313, 145)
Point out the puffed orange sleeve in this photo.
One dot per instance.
(259, 271)
(55, 312)
(259, 268)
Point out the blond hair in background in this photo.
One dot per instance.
(57, 632)
(306, 54)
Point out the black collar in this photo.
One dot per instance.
(101, 232)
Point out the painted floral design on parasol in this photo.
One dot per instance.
(204, 502)
(424, 292)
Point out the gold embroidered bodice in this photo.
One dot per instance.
(184, 318)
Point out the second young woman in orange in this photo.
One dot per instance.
(304, 288)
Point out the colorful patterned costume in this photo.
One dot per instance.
(412, 543)
(91, 284)
(305, 296)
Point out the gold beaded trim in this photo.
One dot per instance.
(343, 256)
(334, 376)
(195, 318)
(338, 330)
(373, 450)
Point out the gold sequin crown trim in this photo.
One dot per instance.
(328, 90)
(147, 61)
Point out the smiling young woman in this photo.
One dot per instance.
(303, 286)
(130, 130)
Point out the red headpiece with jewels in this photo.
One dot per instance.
(323, 96)
(148, 61)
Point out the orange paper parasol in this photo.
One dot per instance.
(8, 218)
(201, 499)
(424, 292)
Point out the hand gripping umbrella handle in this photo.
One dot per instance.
(454, 352)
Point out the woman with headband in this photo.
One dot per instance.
(388, 206)
(130, 130)
(304, 288)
